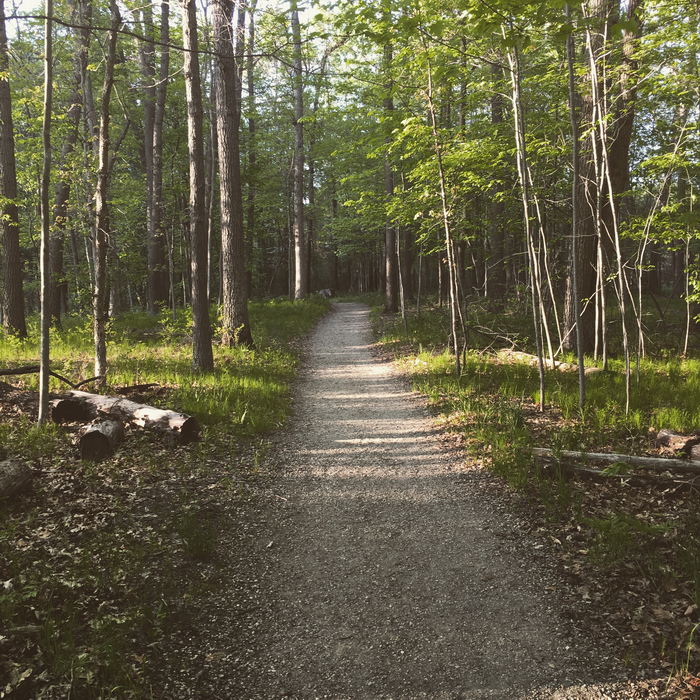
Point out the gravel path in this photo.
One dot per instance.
(376, 564)
(393, 570)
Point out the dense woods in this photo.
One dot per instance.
(512, 184)
(539, 152)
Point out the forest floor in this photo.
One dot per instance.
(364, 550)
(380, 563)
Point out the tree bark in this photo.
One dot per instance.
(301, 280)
(100, 439)
(81, 405)
(100, 292)
(202, 355)
(496, 275)
(13, 292)
(154, 94)
(235, 323)
(59, 284)
(44, 261)
(391, 277)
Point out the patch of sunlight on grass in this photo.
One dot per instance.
(249, 389)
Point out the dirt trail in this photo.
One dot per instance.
(394, 572)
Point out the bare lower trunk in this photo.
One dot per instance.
(202, 355)
(235, 323)
(301, 282)
(100, 292)
(13, 297)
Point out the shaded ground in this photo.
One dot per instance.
(382, 566)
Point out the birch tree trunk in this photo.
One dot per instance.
(202, 355)
(44, 262)
(301, 280)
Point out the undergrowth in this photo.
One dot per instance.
(99, 562)
(653, 537)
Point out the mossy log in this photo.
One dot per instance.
(654, 463)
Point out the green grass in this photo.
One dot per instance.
(248, 388)
(493, 406)
(101, 561)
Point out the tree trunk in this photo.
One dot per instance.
(13, 293)
(158, 292)
(252, 140)
(100, 293)
(100, 439)
(44, 261)
(390, 260)
(496, 274)
(301, 280)
(202, 355)
(235, 323)
(59, 283)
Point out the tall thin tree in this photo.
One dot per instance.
(235, 323)
(202, 354)
(100, 292)
(13, 292)
(301, 280)
(44, 263)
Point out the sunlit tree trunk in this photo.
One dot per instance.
(235, 323)
(301, 281)
(44, 262)
(13, 293)
(100, 292)
(202, 354)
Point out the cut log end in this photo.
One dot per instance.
(189, 431)
(100, 439)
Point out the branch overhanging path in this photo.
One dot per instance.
(388, 569)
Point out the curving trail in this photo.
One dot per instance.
(393, 571)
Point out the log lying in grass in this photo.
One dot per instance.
(99, 439)
(568, 470)
(688, 444)
(80, 405)
(654, 463)
(524, 357)
(14, 477)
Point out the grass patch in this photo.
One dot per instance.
(620, 543)
(100, 561)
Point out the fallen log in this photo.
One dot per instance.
(99, 439)
(653, 463)
(678, 442)
(80, 405)
(527, 358)
(556, 469)
(14, 477)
